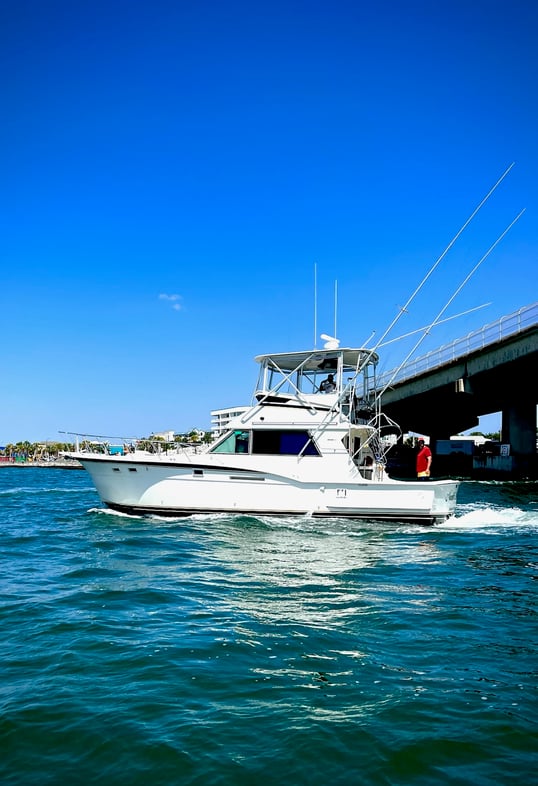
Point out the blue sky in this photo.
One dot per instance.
(173, 173)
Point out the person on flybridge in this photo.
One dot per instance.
(328, 385)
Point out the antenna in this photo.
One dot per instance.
(315, 304)
(335, 305)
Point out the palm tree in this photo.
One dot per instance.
(22, 449)
(9, 450)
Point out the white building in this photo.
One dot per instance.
(168, 436)
(221, 418)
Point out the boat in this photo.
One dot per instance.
(302, 448)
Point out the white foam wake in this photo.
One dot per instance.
(482, 518)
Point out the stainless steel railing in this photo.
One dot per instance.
(490, 334)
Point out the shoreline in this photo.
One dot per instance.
(73, 464)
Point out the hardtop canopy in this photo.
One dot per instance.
(320, 359)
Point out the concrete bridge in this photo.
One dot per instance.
(490, 370)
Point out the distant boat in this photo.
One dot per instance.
(296, 451)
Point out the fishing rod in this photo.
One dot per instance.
(454, 295)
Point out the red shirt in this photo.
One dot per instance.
(422, 458)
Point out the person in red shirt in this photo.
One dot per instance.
(424, 460)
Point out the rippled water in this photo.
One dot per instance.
(243, 650)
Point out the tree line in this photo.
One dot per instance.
(25, 450)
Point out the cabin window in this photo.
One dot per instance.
(236, 442)
(283, 443)
(271, 442)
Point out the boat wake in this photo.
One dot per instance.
(16, 491)
(482, 518)
(109, 512)
(150, 517)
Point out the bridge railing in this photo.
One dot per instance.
(490, 334)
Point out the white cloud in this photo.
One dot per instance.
(173, 299)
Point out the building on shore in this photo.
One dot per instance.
(221, 419)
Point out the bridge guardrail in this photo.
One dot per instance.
(504, 327)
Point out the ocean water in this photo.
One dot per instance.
(240, 650)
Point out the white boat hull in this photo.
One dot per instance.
(172, 489)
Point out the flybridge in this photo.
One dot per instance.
(304, 373)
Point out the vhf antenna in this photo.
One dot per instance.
(315, 305)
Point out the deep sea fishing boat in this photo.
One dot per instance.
(307, 445)
(313, 442)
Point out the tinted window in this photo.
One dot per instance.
(276, 443)
(283, 443)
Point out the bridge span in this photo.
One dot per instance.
(490, 370)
